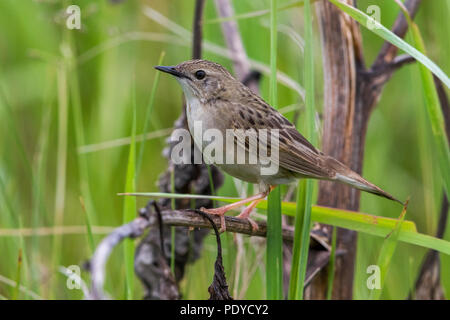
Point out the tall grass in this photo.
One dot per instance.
(148, 114)
(13, 219)
(386, 254)
(87, 204)
(61, 159)
(434, 109)
(305, 187)
(16, 291)
(40, 169)
(332, 264)
(129, 205)
(274, 256)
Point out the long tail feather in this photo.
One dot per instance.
(347, 176)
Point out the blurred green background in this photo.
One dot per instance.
(114, 52)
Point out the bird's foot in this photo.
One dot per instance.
(245, 215)
(218, 212)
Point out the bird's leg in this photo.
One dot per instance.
(222, 210)
(245, 214)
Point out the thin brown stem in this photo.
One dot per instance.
(388, 50)
(198, 30)
(230, 30)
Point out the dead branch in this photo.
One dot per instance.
(396, 63)
(192, 218)
(189, 218)
(197, 29)
(98, 262)
(233, 39)
(351, 93)
(388, 51)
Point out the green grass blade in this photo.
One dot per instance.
(125, 141)
(129, 208)
(332, 264)
(294, 276)
(433, 107)
(369, 224)
(40, 167)
(256, 14)
(296, 281)
(387, 35)
(305, 188)
(16, 291)
(75, 98)
(177, 196)
(148, 114)
(61, 166)
(14, 218)
(274, 253)
(352, 220)
(386, 254)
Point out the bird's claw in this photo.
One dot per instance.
(254, 225)
(219, 213)
(252, 222)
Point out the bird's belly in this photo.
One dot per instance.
(252, 173)
(199, 120)
(246, 172)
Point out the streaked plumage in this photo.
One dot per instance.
(219, 101)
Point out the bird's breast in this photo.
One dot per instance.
(199, 119)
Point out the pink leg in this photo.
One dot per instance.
(245, 214)
(222, 210)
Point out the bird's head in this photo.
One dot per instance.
(202, 79)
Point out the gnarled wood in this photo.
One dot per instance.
(351, 93)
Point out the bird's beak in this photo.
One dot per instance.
(171, 70)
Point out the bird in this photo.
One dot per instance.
(219, 101)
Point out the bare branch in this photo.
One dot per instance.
(233, 39)
(388, 68)
(189, 218)
(192, 218)
(388, 50)
(97, 264)
(198, 30)
(401, 60)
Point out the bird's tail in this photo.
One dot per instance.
(347, 176)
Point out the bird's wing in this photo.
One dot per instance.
(295, 152)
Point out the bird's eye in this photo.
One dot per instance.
(200, 74)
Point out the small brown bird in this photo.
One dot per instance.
(218, 101)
